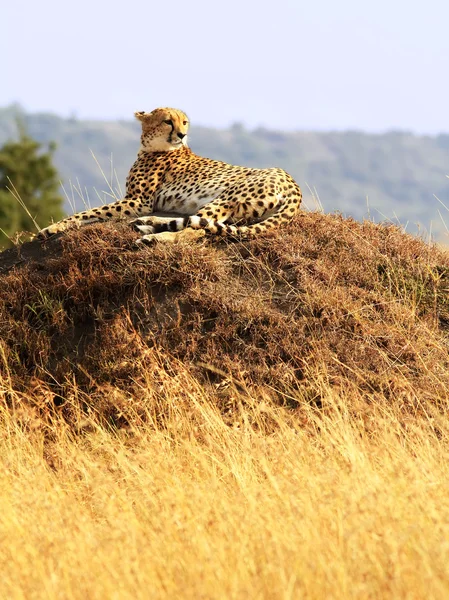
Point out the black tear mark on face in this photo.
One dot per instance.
(170, 122)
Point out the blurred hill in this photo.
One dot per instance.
(394, 175)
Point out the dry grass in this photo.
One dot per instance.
(238, 420)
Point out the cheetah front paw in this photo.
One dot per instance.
(147, 240)
(186, 235)
(153, 238)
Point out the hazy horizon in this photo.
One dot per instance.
(232, 124)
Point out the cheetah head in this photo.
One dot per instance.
(163, 129)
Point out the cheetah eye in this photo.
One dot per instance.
(169, 122)
(184, 122)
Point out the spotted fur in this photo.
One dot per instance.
(210, 196)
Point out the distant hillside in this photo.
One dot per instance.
(398, 172)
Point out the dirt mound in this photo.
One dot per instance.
(89, 323)
(29, 253)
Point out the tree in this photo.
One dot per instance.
(28, 177)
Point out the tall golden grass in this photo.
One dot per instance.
(323, 507)
(261, 420)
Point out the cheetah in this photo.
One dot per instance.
(208, 196)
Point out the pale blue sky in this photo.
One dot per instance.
(315, 64)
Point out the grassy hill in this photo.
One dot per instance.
(263, 419)
(393, 176)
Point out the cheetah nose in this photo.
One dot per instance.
(181, 135)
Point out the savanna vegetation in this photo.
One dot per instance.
(29, 187)
(261, 419)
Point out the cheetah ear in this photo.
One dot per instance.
(141, 115)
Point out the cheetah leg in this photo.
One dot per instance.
(156, 226)
(123, 209)
(186, 235)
